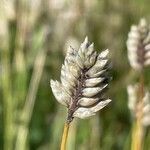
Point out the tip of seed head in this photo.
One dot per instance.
(143, 22)
(86, 39)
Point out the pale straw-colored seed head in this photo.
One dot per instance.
(133, 104)
(84, 79)
(138, 45)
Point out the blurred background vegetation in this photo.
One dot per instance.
(34, 35)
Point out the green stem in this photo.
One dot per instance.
(137, 132)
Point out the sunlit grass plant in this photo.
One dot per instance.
(84, 79)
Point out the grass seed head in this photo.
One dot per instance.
(138, 45)
(134, 105)
(84, 79)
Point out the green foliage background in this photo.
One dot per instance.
(28, 28)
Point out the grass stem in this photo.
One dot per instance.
(65, 136)
(137, 132)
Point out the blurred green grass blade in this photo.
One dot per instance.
(7, 103)
(27, 111)
(95, 133)
(19, 63)
(147, 139)
(57, 128)
(71, 142)
(6, 93)
(83, 136)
